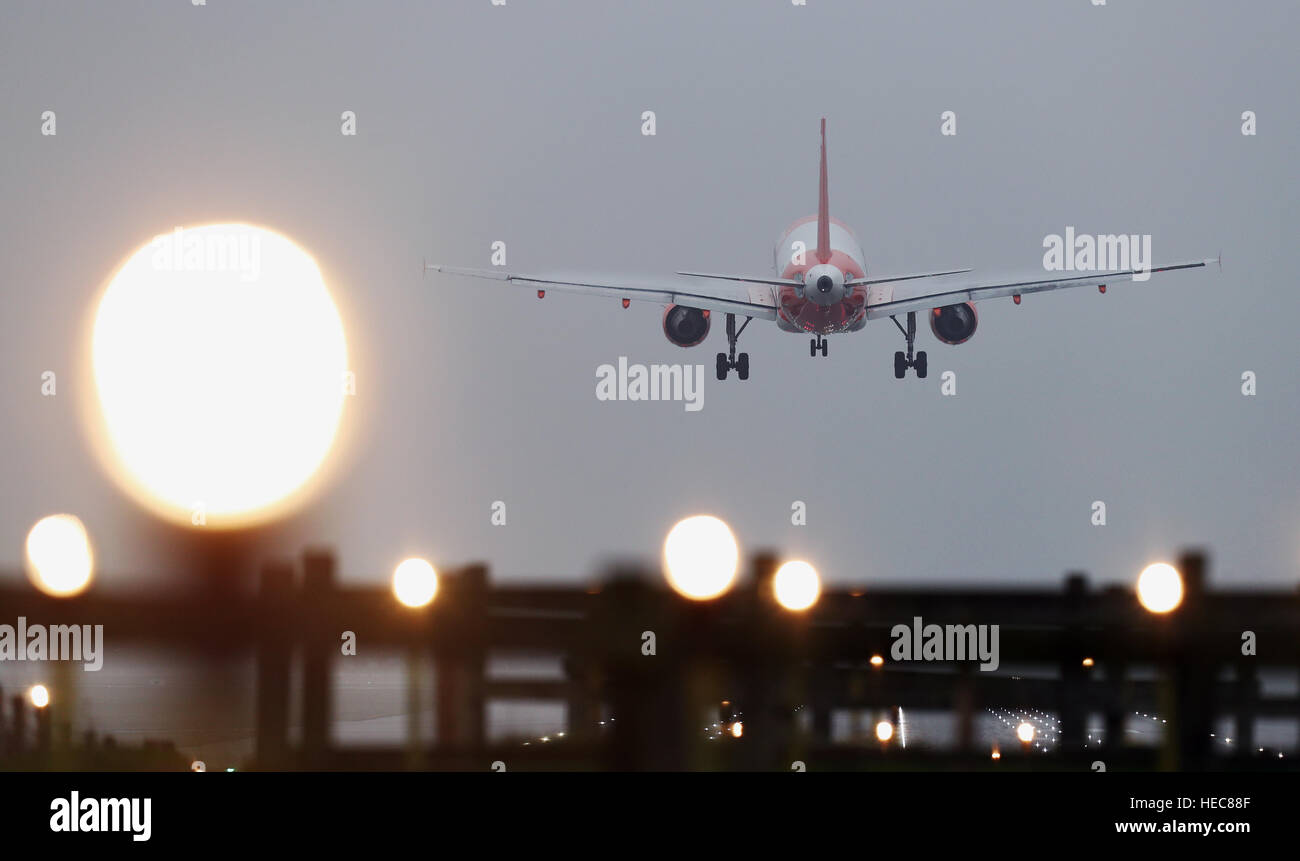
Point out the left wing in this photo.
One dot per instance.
(924, 294)
(751, 299)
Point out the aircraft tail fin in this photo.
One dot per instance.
(823, 209)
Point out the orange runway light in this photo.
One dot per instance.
(1160, 588)
(701, 557)
(796, 585)
(415, 583)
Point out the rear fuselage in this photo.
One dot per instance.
(825, 303)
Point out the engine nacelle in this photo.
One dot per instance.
(954, 324)
(685, 326)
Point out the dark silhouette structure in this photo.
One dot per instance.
(644, 668)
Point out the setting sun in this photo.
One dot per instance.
(220, 366)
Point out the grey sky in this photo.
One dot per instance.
(522, 123)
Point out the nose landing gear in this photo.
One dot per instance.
(818, 343)
(903, 362)
(729, 360)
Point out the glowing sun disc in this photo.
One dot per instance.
(220, 366)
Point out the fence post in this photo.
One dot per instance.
(646, 691)
(18, 728)
(274, 649)
(1117, 602)
(964, 705)
(1193, 668)
(43, 734)
(767, 719)
(1072, 694)
(582, 700)
(1247, 697)
(461, 676)
(318, 644)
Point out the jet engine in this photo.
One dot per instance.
(685, 326)
(954, 324)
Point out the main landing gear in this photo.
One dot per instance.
(728, 360)
(901, 362)
(818, 343)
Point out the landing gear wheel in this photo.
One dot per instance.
(812, 347)
(903, 361)
(826, 345)
(729, 360)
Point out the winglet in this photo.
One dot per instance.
(823, 209)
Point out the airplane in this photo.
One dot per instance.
(820, 287)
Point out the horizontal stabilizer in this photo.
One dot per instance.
(745, 279)
(867, 282)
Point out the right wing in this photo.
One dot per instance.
(923, 294)
(748, 299)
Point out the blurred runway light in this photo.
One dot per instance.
(797, 585)
(39, 695)
(1025, 732)
(884, 731)
(737, 729)
(415, 583)
(701, 557)
(1160, 588)
(59, 558)
(877, 661)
